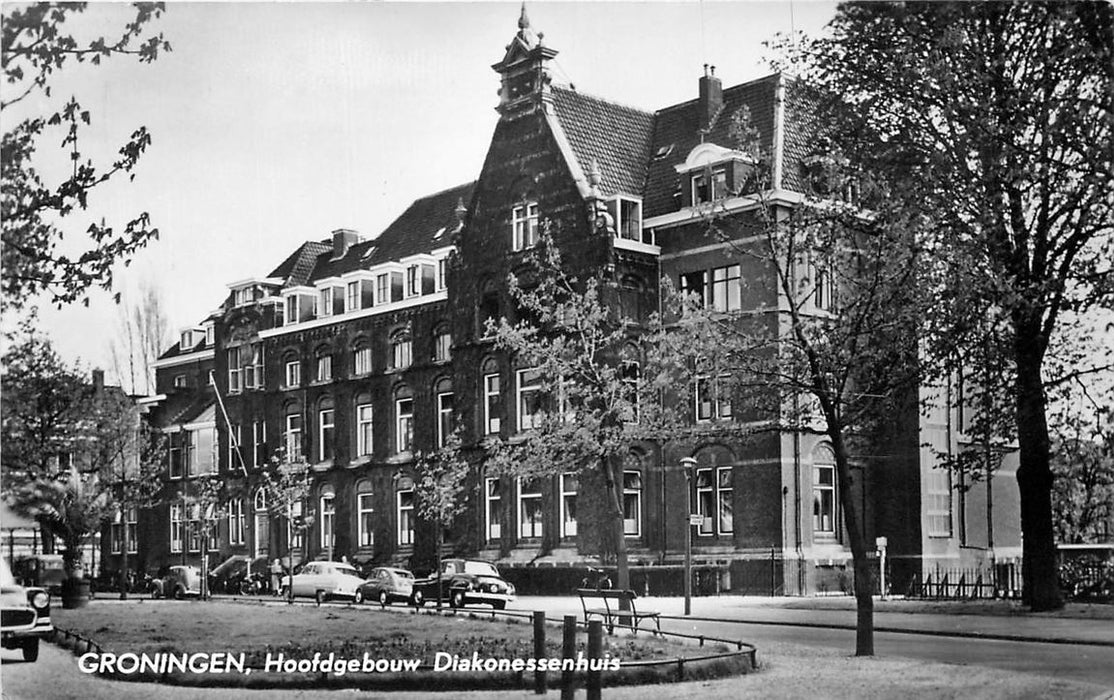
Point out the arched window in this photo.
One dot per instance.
(364, 425)
(442, 343)
(630, 298)
(323, 363)
(443, 399)
(404, 505)
(365, 513)
(401, 350)
(404, 419)
(261, 499)
(326, 429)
(292, 369)
(632, 494)
(493, 397)
(361, 356)
(328, 517)
(292, 432)
(715, 490)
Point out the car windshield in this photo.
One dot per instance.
(347, 570)
(6, 579)
(481, 568)
(404, 574)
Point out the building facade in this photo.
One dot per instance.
(356, 355)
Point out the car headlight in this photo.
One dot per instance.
(40, 600)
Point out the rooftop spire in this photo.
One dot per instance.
(523, 18)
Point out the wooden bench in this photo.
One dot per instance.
(613, 611)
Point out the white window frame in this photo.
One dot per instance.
(442, 274)
(524, 225)
(131, 528)
(621, 223)
(569, 487)
(492, 396)
(293, 302)
(352, 297)
(258, 440)
(236, 523)
(637, 492)
(326, 433)
(176, 528)
(413, 281)
(404, 425)
(686, 291)
(493, 527)
(294, 373)
(327, 531)
(364, 430)
(361, 360)
(292, 437)
(365, 530)
(405, 515)
(402, 350)
(382, 289)
(444, 417)
(713, 192)
(297, 534)
(530, 529)
(938, 503)
(233, 355)
(521, 392)
(719, 407)
(235, 435)
(719, 493)
(818, 490)
(726, 282)
(442, 344)
(324, 367)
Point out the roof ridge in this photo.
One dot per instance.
(624, 105)
(737, 86)
(441, 192)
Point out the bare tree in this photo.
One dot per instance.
(142, 333)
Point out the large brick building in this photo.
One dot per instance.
(356, 354)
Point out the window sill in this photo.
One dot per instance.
(359, 461)
(322, 466)
(401, 458)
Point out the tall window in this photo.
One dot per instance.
(328, 520)
(253, 372)
(194, 527)
(442, 278)
(296, 520)
(823, 500)
(352, 296)
(293, 373)
(361, 360)
(524, 224)
(324, 366)
(939, 503)
(176, 527)
(492, 399)
(235, 440)
(493, 508)
(442, 344)
(404, 424)
(189, 451)
(291, 309)
(405, 506)
(708, 186)
(236, 521)
(363, 430)
(413, 281)
(824, 289)
(632, 496)
(259, 442)
(326, 423)
(726, 289)
(382, 288)
(714, 494)
(529, 399)
(293, 437)
(444, 417)
(530, 522)
(176, 461)
(570, 483)
(400, 350)
(233, 369)
(365, 524)
(131, 528)
(116, 533)
(713, 398)
(628, 223)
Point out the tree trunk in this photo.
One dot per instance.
(622, 573)
(856, 535)
(1034, 478)
(124, 559)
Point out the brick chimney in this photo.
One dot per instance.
(98, 382)
(343, 238)
(711, 97)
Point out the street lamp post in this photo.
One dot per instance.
(687, 463)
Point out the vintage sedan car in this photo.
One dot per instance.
(24, 615)
(178, 582)
(386, 584)
(325, 580)
(465, 581)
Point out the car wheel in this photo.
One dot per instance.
(498, 604)
(417, 599)
(179, 593)
(358, 597)
(284, 591)
(456, 599)
(383, 598)
(319, 597)
(155, 592)
(31, 649)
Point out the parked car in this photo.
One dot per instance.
(325, 580)
(40, 571)
(24, 615)
(386, 584)
(232, 575)
(465, 581)
(177, 582)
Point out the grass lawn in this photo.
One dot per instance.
(347, 631)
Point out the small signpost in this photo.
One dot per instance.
(880, 543)
(696, 519)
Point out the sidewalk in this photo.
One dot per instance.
(888, 617)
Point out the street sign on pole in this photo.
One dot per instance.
(696, 519)
(687, 463)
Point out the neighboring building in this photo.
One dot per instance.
(355, 355)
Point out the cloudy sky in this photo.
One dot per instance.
(274, 123)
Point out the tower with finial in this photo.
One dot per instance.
(525, 71)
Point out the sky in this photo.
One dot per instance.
(275, 123)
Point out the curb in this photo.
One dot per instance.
(989, 636)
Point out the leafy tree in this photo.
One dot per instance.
(37, 44)
(75, 453)
(286, 485)
(596, 396)
(442, 477)
(1001, 115)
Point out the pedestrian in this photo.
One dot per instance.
(276, 576)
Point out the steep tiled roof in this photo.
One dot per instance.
(297, 268)
(176, 349)
(618, 137)
(676, 133)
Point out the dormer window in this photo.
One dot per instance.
(413, 281)
(291, 309)
(709, 185)
(210, 335)
(188, 340)
(713, 173)
(524, 225)
(352, 297)
(627, 213)
(243, 296)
